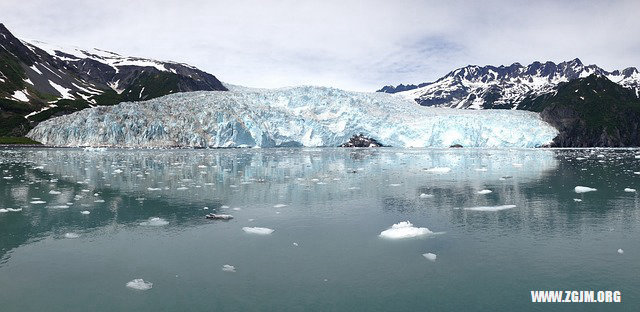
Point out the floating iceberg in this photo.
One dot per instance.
(139, 284)
(257, 230)
(430, 256)
(584, 189)
(71, 235)
(228, 268)
(294, 116)
(491, 208)
(155, 221)
(404, 230)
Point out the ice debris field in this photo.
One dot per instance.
(294, 116)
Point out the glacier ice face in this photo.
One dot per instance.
(294, 116)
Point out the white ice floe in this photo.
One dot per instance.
(99, 201)
(423, 195)
(483, 192)
(257, 230)
(481, 169)
(153, 189)
(71, 235)
(52, 192)
(429, 256)
(620, 251)
(228, 268)
(155, 221)
(584, 189)
(438, 170)
(10, 210)
(85, 212)
(58, 207)
(404, 230)
(577, 200)
(139, 284)
(37, 202)
(490, 208)
(630, 190)
(279, 206)
(295, 244)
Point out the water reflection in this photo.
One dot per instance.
(126, 187)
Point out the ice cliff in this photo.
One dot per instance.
(295, 116)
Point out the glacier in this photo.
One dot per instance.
(292, 116)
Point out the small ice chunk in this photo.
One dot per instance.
(224, 207)
(228, 268)
(483, 192)
(139, 284)
(481, 169)
(490, 208)
(423, 195)
(295, 244)
(52, 192)
(517, 165)
(394, 184)
(71, 235)
(429, 256)
(155, 221)
(630, 190)
(438, 170)
(257, 230)
(85, 212)
(14, 210)
(99, 201)
(577, 200)
(404, 230)
(153, 189)
(279, 206)
(620, 251)
(182, 188)
(36, 202)
(583, 189)
(58, 207)
(205, 208)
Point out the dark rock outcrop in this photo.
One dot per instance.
(361, 141)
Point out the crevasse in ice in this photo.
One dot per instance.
(293, 116)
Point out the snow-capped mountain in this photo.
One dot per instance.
(505, 87)
(40, 80)
(297, 116)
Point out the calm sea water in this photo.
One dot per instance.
(327, 208)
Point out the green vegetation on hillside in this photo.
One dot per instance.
(18, 141)
(591, 111)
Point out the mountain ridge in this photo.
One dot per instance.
(504, 87)
(39, 80)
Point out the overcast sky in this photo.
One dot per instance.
(355, 45)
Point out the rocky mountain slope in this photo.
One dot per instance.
(505, 87)
(39, 80)
(590, 112)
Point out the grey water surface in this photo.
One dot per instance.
(327, 208)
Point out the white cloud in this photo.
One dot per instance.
(359, 45)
